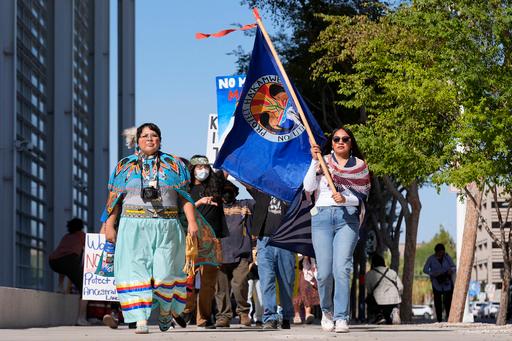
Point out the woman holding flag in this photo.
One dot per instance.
(335, 223)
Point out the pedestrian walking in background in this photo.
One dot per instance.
(273, 262)
(206, 190)
(236, 256)
(441, 269)
(307, 293)
(146, 193)
(335, 221)
(384, 292)
(67, 260)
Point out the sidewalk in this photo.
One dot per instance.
(412, 332)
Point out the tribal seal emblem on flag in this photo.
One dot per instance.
(268, 146)
(269, 111)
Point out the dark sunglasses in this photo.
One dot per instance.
(344, 139)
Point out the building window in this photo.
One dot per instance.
(496, 224)
(31, 204)
(497, 265)
(500, 204)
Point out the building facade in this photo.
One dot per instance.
(54, 139)
(125, 72)
(488, 261)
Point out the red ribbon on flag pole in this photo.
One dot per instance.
(224, 32)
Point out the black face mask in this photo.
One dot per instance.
(228, 197)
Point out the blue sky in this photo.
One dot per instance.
(175, 81)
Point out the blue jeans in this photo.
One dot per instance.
(335, 233)
(275, 262)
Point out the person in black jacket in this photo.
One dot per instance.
(273, 263)
(206, 189)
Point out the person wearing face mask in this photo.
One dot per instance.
(206, 189)
(236, 256)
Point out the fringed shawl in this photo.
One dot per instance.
(173, 174)
(355, 178)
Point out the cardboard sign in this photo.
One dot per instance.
(212, 142)
(95, 287)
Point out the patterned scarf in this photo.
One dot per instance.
(355, 178)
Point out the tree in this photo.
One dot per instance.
(299, 26)
(397, 77)
(482, 72)
(385, 217)
(466, 257)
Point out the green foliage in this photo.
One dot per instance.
(399, 78)
(298, 26)
(483, 76)
(435, 79)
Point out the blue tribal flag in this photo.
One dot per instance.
(268, 146)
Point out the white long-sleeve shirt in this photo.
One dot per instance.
(313, 182)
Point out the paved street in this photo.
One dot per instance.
(418, 332)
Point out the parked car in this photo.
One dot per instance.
(491, 309)
(422, 310)
(477, 309)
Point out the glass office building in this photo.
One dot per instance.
(54, 143)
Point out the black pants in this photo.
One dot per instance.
(442, 298)
(71, 266)
(375, 310)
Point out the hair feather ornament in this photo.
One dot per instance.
(130, 137)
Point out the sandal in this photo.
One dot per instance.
(165, 322)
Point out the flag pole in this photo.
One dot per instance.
(294, 98)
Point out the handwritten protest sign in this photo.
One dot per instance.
(96, 288)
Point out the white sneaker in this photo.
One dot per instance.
(341, 326)
(327, 322)
(395, 316)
